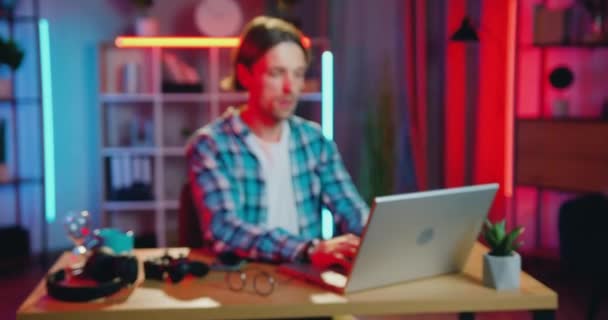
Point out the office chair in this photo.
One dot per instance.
(189, 227)
(582, 240)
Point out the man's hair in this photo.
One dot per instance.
(259, 36)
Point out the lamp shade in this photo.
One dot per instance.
(466, 32)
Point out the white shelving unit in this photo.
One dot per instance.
(168, 114)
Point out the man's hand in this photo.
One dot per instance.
(337, 251)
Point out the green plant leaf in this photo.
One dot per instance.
(500, 230)
(496, 233)
(518, 245)
(491, 239)
(501, 243)
(507, 246)
(488, 224)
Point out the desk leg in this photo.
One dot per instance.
(543, 315)
(466, 316)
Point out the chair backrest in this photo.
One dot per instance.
(582, 235)
(189, 227)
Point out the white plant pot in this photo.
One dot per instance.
(147, 27)
(502, 273)
(6, 88)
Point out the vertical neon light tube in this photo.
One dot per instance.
(510, 98)
(47, 121)
(327, 123)
(327, 94)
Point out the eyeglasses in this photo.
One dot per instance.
(263, 282)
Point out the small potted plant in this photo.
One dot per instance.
(502, 265)
(145, 24)
(11, 56)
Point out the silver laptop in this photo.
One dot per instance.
(408, 237)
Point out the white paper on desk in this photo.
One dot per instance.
(324, 298)
(142, 297)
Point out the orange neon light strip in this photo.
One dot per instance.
(183, 42)
(510, 99)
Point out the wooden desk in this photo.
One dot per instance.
(209, 298)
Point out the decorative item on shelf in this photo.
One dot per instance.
(561, 78)
(130, 78)
(142, 132)
(11, 56)
(549, 25)
(4, 174)
(597, 30)
(502, 265)
(311, 85)
(218, 18)
(145, 24)
(286, 11)
(178, 76)
(186, 133)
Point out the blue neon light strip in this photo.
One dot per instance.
(327, 124)
(327, 94)
(47, 121)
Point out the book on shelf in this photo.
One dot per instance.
(4, 175)
(130, 178)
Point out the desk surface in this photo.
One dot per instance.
(210, 298)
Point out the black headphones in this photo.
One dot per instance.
(112, 272)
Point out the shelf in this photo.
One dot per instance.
(571, 45)
(174, 151)
(140, 205)
(20, 100)
(191, 97)
(185, 97)
(17, 18)
(127, 97)
(170, 113)
(148, 151)
(115, 151)
(311, 96)
(130, 205)
(18, 181)
(170, 204)
(575, 161)
(167, 151)
(564, 119)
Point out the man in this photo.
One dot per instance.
(260, 175)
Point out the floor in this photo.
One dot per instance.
(16, 285)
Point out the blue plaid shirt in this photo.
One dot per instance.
(229, 189)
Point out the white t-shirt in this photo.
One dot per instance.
(276, 170)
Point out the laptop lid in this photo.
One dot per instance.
(417, 235)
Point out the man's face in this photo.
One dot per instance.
(275, 81)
